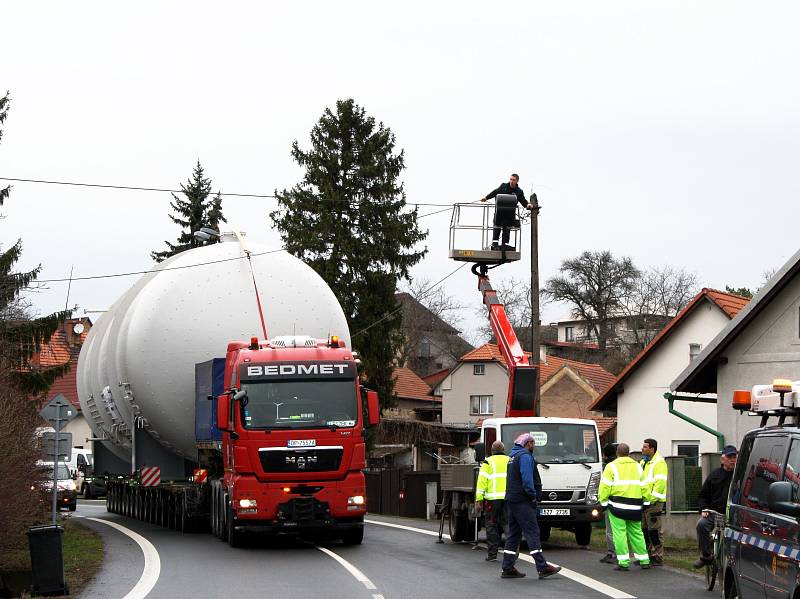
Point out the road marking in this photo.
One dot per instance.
(357, 574)
(565, 572)
(152, 562)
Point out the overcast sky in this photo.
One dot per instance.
(665, 133)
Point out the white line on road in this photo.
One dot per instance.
(357, 574)
(152, 562)
(566, 572)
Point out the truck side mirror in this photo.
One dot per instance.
(779, 497)
(223, 412)
(373, 408)
(480, 451)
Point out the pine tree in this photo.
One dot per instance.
(348, 220)
(193, 212)
(21, 337)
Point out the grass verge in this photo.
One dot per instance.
(83, 556)
(678, 553)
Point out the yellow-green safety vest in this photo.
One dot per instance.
(655, 477)
(622, 488)
(492, 478)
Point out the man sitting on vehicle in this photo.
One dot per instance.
(713, 496)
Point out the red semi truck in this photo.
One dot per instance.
(286, 449)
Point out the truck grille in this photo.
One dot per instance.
(311, 459)
(548, 495)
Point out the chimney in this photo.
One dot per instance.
(543, 354)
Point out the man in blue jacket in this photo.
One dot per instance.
(523, 489)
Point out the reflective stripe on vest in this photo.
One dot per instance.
(492, 478)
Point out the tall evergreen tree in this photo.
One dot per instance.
(21, 337)
(348, 220)
(193, 212)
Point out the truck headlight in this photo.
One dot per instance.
(356, 500)
(593, 487)
(247, 503)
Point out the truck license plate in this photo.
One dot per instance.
(553, 512)
(302, 443)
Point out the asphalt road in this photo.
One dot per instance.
(392, 563)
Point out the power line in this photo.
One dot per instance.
(164, 190)
(422, 293)
(144, 272)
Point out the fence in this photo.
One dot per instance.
(399, 492)
(685, 481)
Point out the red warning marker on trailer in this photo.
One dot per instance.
(200, 475)
(151, 476)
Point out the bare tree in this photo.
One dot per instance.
(431, 322)
(515, 294)
(657, 295)
(596, 285)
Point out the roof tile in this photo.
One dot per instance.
(408, 385)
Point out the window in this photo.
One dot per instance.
(480, 405)
(694, 350)
(689, 450)
(479, 369)
(569, 333)
(757, 471)
(792, 474)
(425, 348)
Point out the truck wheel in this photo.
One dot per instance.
(353, 536)
(234, 537)
(583, 533)
(86, 492)
(544, 532)
(460, 529)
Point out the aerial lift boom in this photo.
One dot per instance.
(523, 377)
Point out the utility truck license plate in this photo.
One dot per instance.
(553, 512)
(302, 443)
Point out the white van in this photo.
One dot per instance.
(568, 455)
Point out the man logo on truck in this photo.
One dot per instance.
(278, 370)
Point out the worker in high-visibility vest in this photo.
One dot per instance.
(622, 489)
(655, 476)
(490, 495)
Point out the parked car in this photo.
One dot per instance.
(761, 548)
(66, 489)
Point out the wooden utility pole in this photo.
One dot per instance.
(535, 318)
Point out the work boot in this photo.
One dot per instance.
(494, 247)
(512, 572)
(491, 558)
(656, 561)
(608, 559)
(549, 571)
(644, 566)
(622, 568)
(701, 562)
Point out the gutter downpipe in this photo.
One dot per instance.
(671, 399)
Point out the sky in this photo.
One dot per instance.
(665, 132)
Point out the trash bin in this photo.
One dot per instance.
(47, 560)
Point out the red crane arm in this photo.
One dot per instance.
(523, 378)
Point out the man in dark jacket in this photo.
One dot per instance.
(523, 489)
(510, 188)
(713, 496)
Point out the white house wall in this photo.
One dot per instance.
(768, 348)
(643, 412)
(461, 383)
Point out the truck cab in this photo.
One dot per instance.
(293, 438)
(568, 456)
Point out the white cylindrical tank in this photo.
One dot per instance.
(138, 359)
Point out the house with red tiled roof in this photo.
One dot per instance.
(636, 396)
(63, 347)
(477, 387)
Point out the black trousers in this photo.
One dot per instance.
(704, 528)
(495, 516)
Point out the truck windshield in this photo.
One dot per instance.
(61, 474)
(557, 443)
(300, 404)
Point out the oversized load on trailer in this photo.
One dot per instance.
(223, 380)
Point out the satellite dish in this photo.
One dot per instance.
(78, 328)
